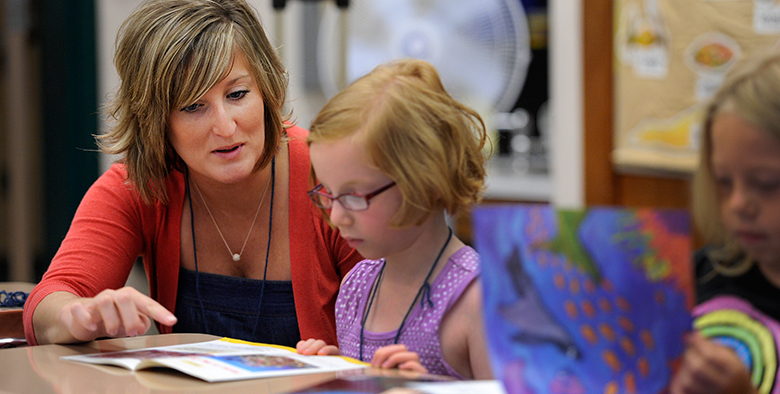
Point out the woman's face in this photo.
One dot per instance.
(221, 136)
(746, 164)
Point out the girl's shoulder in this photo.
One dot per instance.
(363, 269)
(467, 259)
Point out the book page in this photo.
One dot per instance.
(223, 360)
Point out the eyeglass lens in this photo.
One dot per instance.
(348, 201)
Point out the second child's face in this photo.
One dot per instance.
(746, 165)
(343, 167)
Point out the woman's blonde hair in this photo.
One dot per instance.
(169, 53)
(751, 90)
(413, 131)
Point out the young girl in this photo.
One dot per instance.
(737, 210)
(393, 152)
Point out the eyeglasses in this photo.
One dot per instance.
(350, 201)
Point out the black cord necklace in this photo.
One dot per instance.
(425, 290)
(267, 251)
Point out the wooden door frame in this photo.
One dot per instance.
(602, 184)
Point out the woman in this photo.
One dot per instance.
(211, 192)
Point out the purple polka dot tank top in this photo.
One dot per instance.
(421, 331)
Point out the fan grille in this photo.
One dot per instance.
(480, 47)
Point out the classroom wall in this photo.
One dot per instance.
(567, 183)
(566, 101)
(603, 184)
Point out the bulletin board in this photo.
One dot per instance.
(670, 58)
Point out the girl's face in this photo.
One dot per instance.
(343, 167)
(221, 136)
(746, 164)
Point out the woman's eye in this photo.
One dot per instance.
(237, 94)
(191, 108)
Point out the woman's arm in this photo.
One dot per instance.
(63, 317)
(95, 258)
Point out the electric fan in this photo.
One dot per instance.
(480, 47)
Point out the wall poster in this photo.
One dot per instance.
(670, 57)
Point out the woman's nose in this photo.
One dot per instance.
(223, 124)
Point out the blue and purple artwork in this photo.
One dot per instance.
(584, 301)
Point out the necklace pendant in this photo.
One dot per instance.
(236, 257)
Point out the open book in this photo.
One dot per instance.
(223, 360)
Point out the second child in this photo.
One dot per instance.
(737, 210)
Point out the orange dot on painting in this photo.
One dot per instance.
(623, 304)
(554, 260)
(560, 281)
(607, 331)
(571, 309)
(587, 308)
(605, 305)
(660, 297)
(647, 339)
(628, 346)
(574, 286)
(589, 334)
(643, 366)
(611, 388)
(626, 324)
(607, 285)
(611, 360)
(589, 286)
(541, 259)
(629, 380)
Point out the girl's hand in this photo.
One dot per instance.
(313, 346)
(114, 313)
(710, 368)
(397, 356)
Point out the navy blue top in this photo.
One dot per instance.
(230, 305)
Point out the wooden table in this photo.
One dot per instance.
(38, 369)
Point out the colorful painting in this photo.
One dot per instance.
(588, 301)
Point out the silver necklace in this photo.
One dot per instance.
(236, 256)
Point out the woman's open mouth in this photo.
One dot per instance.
(229, 152)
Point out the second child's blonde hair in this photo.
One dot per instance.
(752, 91)
(415, 132)
(169, 54)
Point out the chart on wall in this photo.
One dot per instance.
(670, 56)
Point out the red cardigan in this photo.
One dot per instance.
(112, 227)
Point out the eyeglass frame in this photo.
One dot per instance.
(317, 191)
